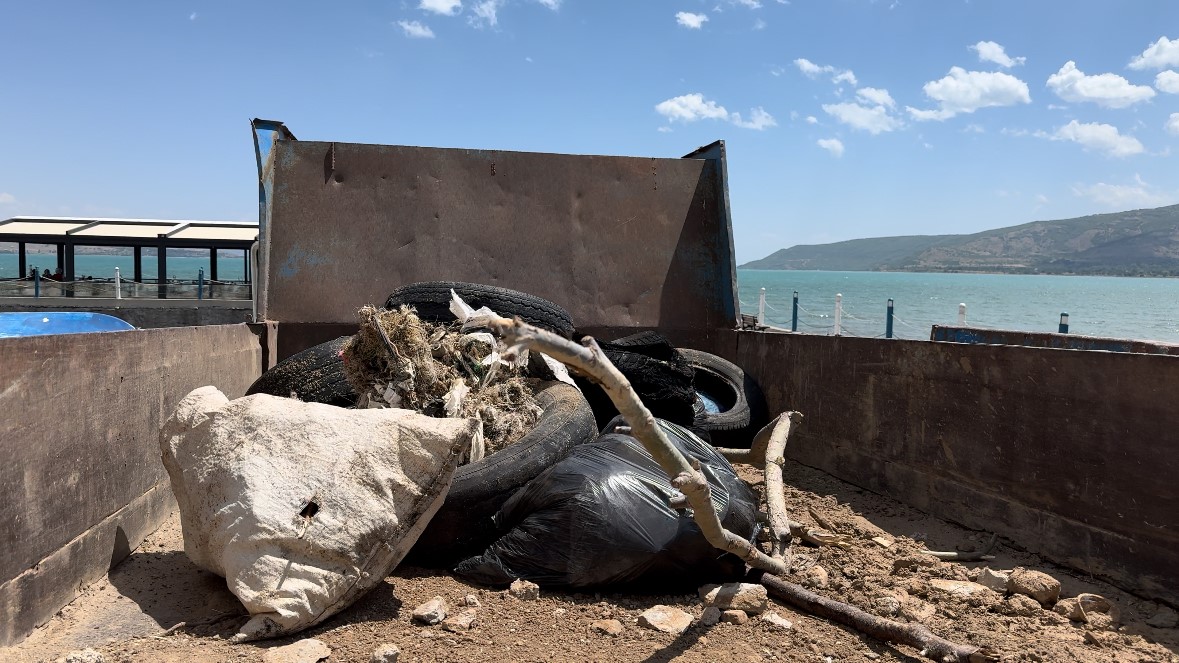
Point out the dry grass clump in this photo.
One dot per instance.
(399, 360)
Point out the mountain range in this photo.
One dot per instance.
(1141, 242)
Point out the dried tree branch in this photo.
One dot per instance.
(687, 478)
(913, 635)
(973, 556)
(775, 458)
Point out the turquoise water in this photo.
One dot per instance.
(1138, 308)
(230, 266)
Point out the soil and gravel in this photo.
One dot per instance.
(133, 614)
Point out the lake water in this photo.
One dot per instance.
(1137, 308)
(230, 266)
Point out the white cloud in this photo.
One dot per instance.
(691, 107)
(7, 198)
(1167, 81)
(1161, 54)
(1172, 125)
(759, 24)
(551, 4)
(813, 70)
(973, 128)
(690, 20)
(874, 119)
(1101, 137)
(964, 91)
(1108, 90)
(192, 16)
(877, 96)
(485, 13)
(989, 51)
(1124, 196)
(811, 119)
(832, 145)
(752, 4)
(444, 7)
(759, 119)
(416, 30)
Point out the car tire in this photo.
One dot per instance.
(431, 300)
(463, 526)
(315, 375)
(737, 397)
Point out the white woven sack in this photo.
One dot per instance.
(303, 507)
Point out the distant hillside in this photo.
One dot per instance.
(1135, 243)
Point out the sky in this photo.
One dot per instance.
(842, 118)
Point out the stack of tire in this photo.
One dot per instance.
(694, 389)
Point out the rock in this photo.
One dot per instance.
(1018, 605)
(734, 617)
(611, 627)
(1040, 586)
(912, 562)
(666, 619)
(388, 653)
(777, 620)
(882, 541)
(83, 656)
(524, 590)
(470, 600)
(916, 610)
(887, 605)
(1164, 617)
(303, 651)
(993, 580)
(711, 616)
(962, 589)
(460, 622)
(749, 597)
(1084, 606)
(1101, 621)
(431, 612)
(815, 576)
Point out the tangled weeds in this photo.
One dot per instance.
(399, 360)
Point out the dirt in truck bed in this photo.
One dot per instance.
(127, 616)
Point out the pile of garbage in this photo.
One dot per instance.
(425, 425)
(397, 360)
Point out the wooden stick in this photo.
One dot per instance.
(685, 477)
(974, 556)
(913, 635)
(775, 458)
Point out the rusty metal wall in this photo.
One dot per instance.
(617, 241)
(82, 480)
(1068, 453)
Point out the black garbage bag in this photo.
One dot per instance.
(656, 370)
(601, 517)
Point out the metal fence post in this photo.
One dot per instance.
(961, 315)
(838, 311)
(794, 314)
(200, 284)
(118, 285)
(1064, 323)
(888, 321)
(36, 282)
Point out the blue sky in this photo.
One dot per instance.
(843, 118)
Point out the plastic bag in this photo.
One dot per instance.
(601, 517)
(303, 507)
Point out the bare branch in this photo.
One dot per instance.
(972, 556)
(590, 360)
(913, 635)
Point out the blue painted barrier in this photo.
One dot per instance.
(71, 322)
